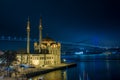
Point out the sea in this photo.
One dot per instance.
(86, 70)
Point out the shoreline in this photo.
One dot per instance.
(31, 72)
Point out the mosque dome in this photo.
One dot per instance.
(48, 39)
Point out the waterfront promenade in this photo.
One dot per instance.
(30, 72)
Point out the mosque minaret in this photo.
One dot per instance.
(28, 36)
(40, 34)
(46, 51)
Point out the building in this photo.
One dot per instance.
(47, 51)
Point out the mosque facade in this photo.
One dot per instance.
(46, 51)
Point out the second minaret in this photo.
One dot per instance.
(28, 36)
(40, 34)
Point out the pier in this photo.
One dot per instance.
(30, 72)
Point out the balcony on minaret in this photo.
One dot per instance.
(28, 29)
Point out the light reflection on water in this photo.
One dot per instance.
(55, 75)
(66, 74)
(99, 70)
(88, 70)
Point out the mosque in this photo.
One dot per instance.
(47, 51)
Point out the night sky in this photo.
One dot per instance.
(93, 21)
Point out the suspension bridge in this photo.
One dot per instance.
(21, 39)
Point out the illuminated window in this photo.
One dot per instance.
(35, 62)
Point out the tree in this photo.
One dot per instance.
(9, 57)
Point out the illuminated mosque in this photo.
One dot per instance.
(47, 51)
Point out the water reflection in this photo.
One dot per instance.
(89, 70)
(83, 74)
(99, 70)
(55, 75)
(108, 69)
(66, 74)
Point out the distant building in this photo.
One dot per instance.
(47, 51)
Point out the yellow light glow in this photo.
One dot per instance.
(35, 62)
(35, 44)
(54, 45)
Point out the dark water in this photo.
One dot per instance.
(99, 70)
(89, 70)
